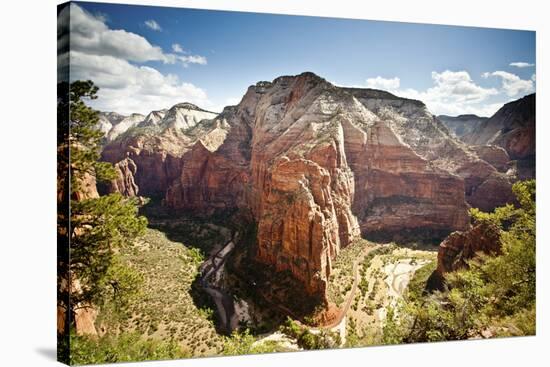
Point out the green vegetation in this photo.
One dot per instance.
(417, 286)
(98, 225)
(341, 278)
(239, 343)
(244, 343)
(369, 335)
(128, 347)
(101, 226)
(168, 306)
(306, 339)
(495, 296)
(82, 137)
(95, 228)
(365, 319)
(131, 282)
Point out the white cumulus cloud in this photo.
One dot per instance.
(152, 24)
(455, 92)
(91, 35)
(512, 84)
(458, 86)
(193, 59)
(521, 64)
(111, 58)
(127, 88)
(383, 83)
(176, 47)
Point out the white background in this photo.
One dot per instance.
(27, 181)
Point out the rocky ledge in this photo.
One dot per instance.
(460, 247)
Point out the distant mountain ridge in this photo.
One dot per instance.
(182, 115)
(462, 124)
(512, 128)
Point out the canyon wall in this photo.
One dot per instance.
(316, 165)
(512, 127)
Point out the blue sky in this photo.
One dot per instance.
(219, 54)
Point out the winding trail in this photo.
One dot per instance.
(336, 323)
(351, 296)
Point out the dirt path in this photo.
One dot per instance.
(351, 296)
(337, 323)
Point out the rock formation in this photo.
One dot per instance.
(124, 182)
(314, 164)
(153, 149)
(87, 188)
(153, 118)
(107, 120)
(463, 124)
(418, 129)
(513, 128)
(85, 313)
(460, 247)
(494, 155)
(181, 116)
(123, 125)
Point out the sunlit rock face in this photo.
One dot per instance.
(459, 247)
(151, 149)
(315, 165)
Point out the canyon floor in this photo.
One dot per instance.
(183, 263)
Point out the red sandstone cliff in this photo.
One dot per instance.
(459, 247)
(316, 165)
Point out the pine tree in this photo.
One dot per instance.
(95, 226)
(84, 138)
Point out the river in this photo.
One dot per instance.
(211, 274)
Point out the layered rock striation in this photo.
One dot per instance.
(429, 138)
(148, 155)
(314, 164)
